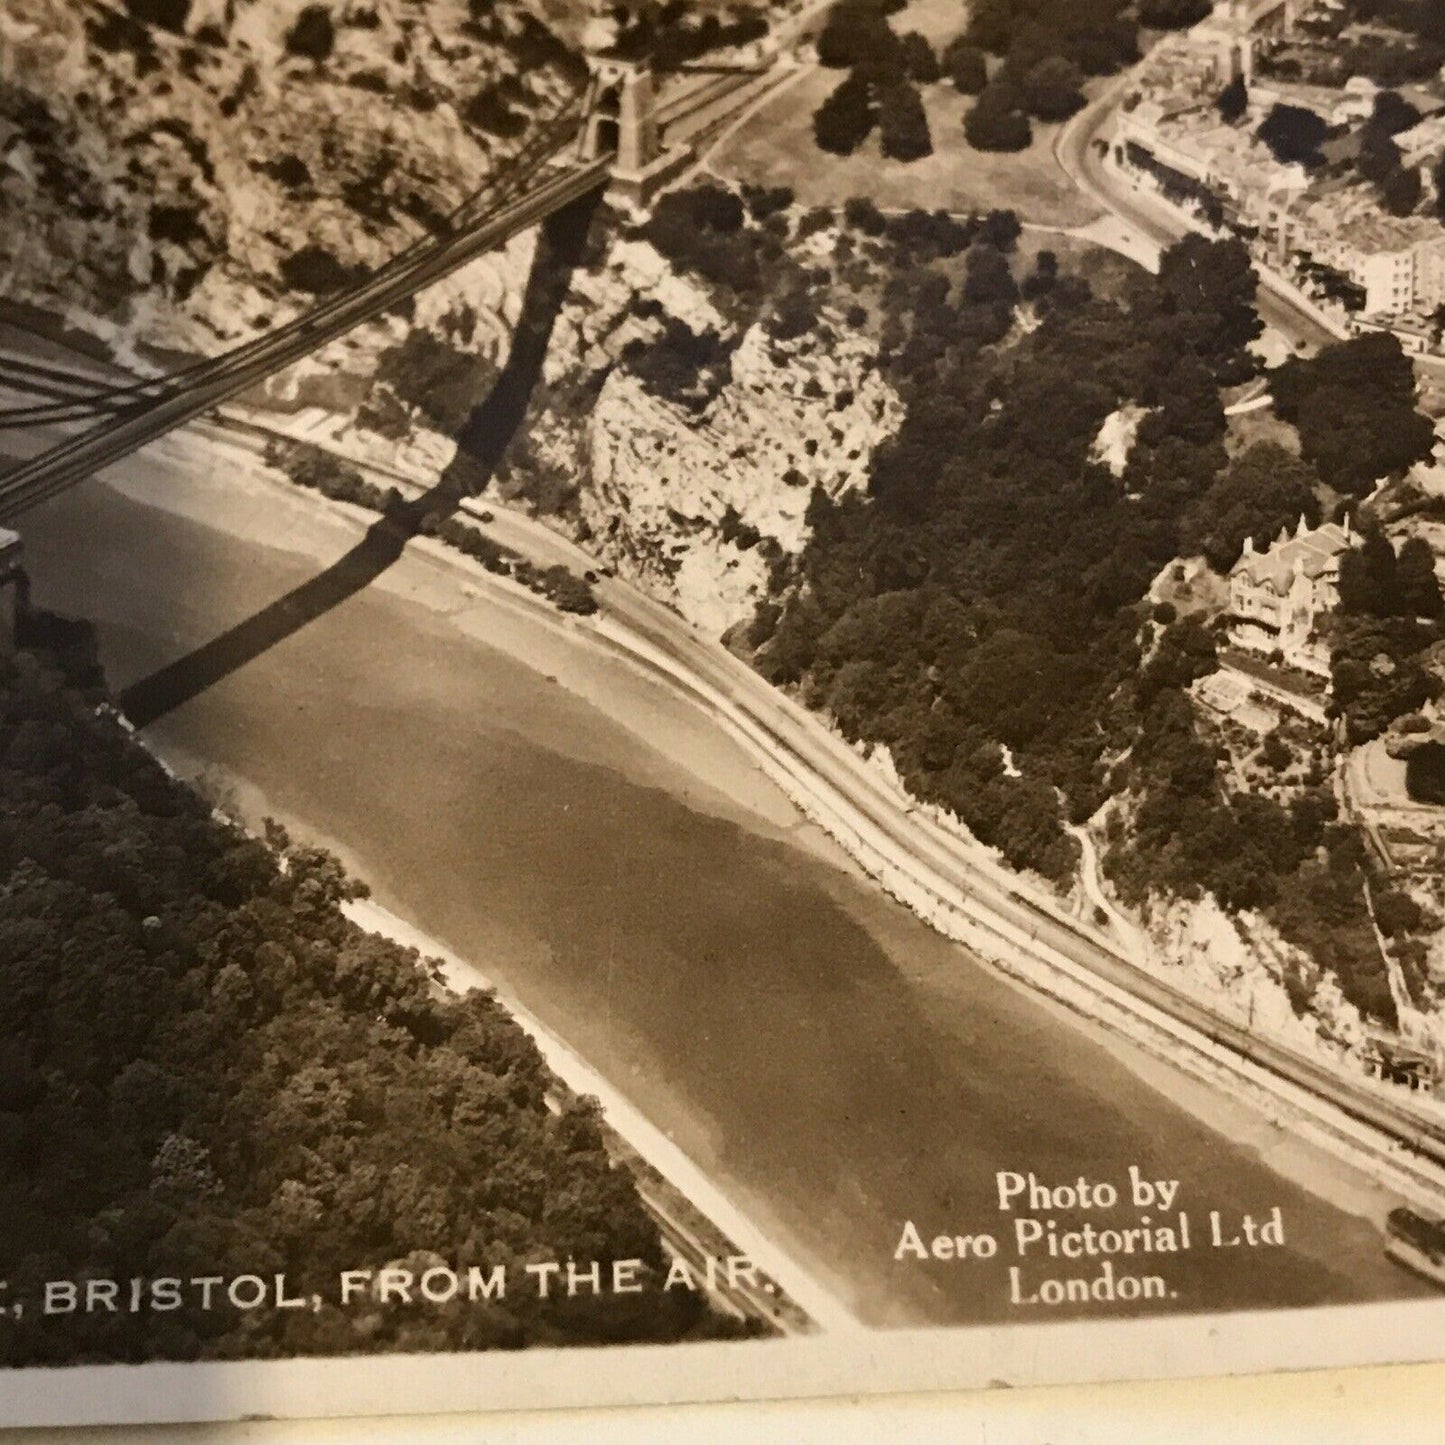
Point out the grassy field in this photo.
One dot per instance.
(777, 148)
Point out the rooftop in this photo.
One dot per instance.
(1312, 553)
(1423, 141)
(1351, 212)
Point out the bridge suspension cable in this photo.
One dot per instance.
(511, 200)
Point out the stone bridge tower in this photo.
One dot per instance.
(622, 122)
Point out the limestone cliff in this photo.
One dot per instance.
(186, 170)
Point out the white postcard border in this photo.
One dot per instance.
(869, 1363)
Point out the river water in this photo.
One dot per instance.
(836, 1066)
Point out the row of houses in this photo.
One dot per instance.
(1331, 235)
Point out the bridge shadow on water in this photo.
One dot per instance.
(483, 442)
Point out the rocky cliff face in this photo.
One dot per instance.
(1242, 966)
(187, 170)
(695, 503)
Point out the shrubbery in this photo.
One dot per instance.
(313, 35)
(441, 383)
(317, 271)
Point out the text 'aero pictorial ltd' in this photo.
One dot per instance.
(1152, 1228)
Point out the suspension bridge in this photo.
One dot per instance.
(613, 135)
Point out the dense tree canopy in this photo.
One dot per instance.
(984, 594)
(1263, 489)
(208, 1070)
(983, 612)
(1099, 36)
(1354, 405)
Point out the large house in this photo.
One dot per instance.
(1277, 596)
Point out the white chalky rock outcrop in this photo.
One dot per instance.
(1239, 964)
(679, 499)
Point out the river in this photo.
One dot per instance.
(620, 868)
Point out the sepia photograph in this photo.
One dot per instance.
(716, 698)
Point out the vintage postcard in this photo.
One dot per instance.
(713, 698)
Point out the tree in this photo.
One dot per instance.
(253, 1082)
(1401, 192)
(1104, 47)
(1276, 753)
(1376, 673)
(903, 124)
(846, 118)
(920, 61)
(1369, 578)
(997, 121)
(855, 31)
(966, 67)
(862, 214)
(991, 25)
(1354, 406)
(1001, 229)
(1392, 113)
(1379, 156)
(1417, 585)
(1233, 100)
(1043, 278)
(1053, 89)
(989, 277)
(167, 14)
(317, 271)
(1212, 285)
(1263, 489)
(1172, 14)
(313, 35)
(1294, 134)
